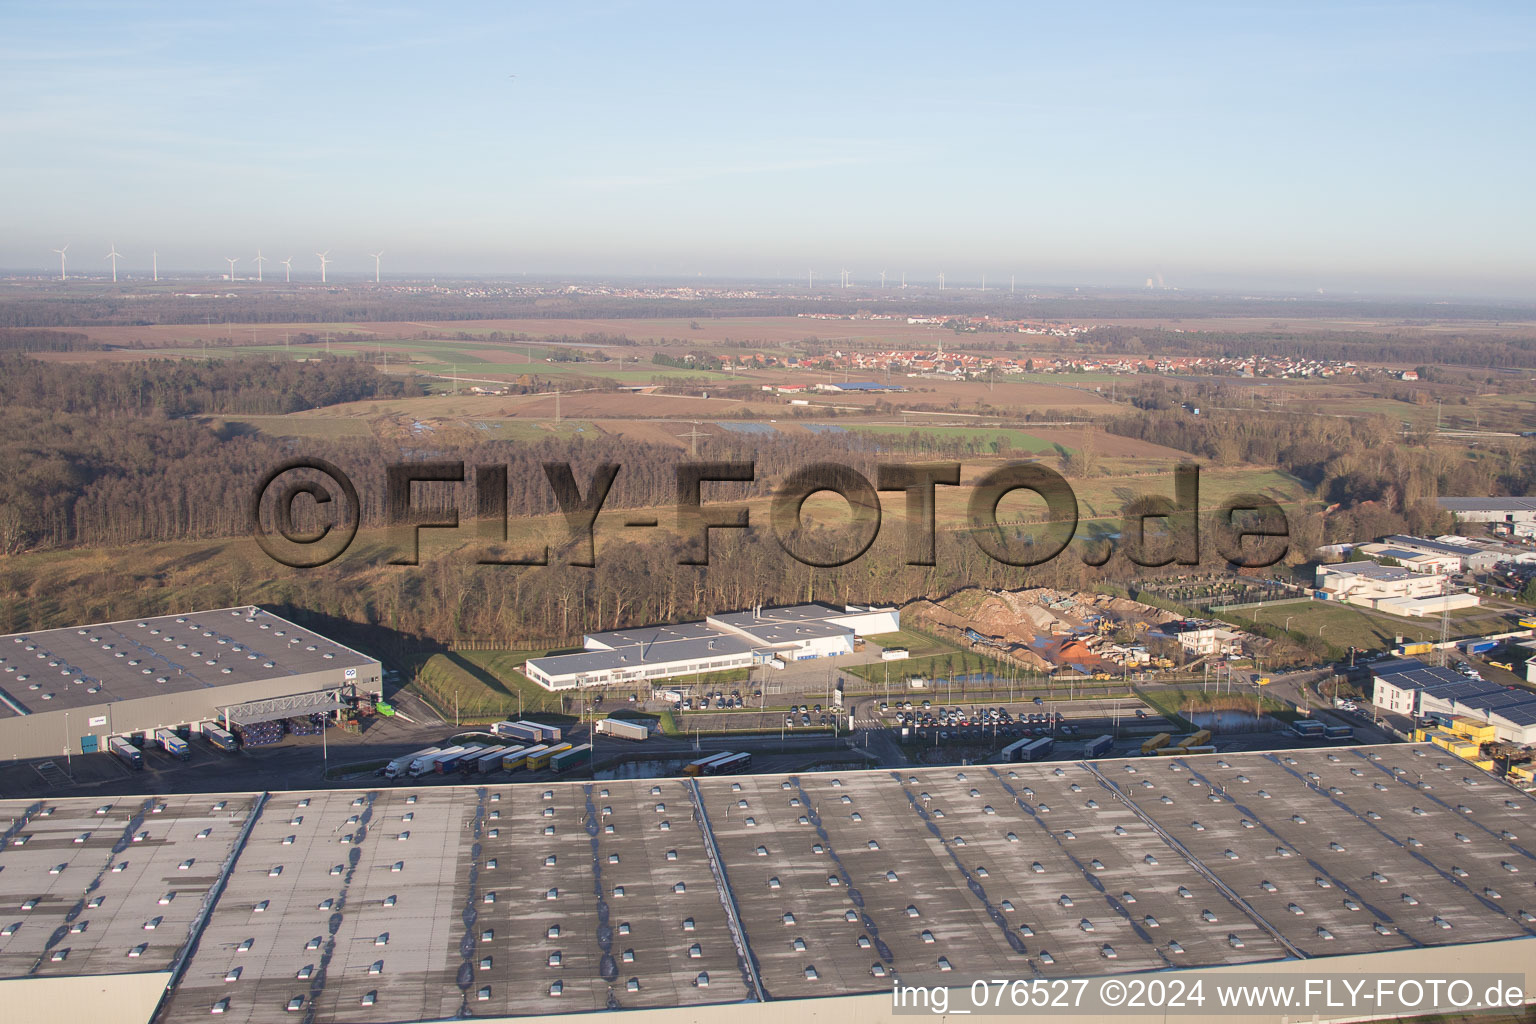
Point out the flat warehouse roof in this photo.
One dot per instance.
(1375, 571)
(404, 904)
(670, 652)
(616, 638)
(128, 853)
(445, 893)
(56, 669)
(1488, 504)
(801, 613)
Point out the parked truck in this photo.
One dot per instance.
(1156, 743)
(402, 765)
(126, 752)
(172, 744)
(527, 732)
(636, 731)
(576, 757)
(542, 758)
(1098, 746)
(1038, 749)
(423, 765)
(486, 761)
(448, 761)
(519, 758)
(220, 737)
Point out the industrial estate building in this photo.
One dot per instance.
(69, 690)
(407, 905)
(1490, 510)
(731, 640)
(1407, 686)
(1366, 583)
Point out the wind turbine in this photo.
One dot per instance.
(260, 259)
(288, 270)
(323, 262)
(882, 280)
(232, 260)
(63, 274)
(154, 261)
(941, 280)
(376, 256)
(114, 256)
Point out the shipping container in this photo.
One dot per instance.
(1196, 739)
(1160, 740)
(576, 757)
(1098, 746)
(126, 752)
(172, 744)
(220, 738)
(636, 731)
(540, 760)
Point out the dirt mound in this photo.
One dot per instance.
(1019, 617)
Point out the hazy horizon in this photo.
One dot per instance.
(1371, 149)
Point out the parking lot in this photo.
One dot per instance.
(1081, 719)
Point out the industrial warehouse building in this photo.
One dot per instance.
(731, 640)
(68, 690)
(1490, 510)
(1407, 686)
(1389, 588)
(683, 900)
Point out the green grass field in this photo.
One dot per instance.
(1342, 626)
(917, 644)
(322, 427)
(1007, 439)
(529, 430)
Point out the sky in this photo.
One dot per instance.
(1383, 147)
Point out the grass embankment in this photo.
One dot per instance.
(1174, 703)
(483, 686)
